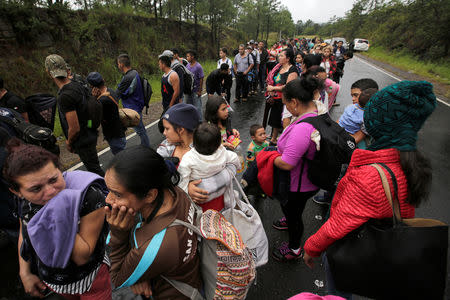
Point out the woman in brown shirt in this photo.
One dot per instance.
(144, 202)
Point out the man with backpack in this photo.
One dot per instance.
(11, 100)
(130, 90)
(186, 83)
(77, 120)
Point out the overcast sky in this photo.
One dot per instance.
(317, 10)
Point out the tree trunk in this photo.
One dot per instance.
(195, 26)
(160, 8)
(156, 10)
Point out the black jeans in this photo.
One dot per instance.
(226, 87)
(293, 211)
(88, 156)
(241, 85)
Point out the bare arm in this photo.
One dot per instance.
(200, 87)
(281, 164)
(358, 136)
(175, 81)
(86, 239)
(74, 126)
(31, 283)
(249, 68)
(25, 116)
(279, 88)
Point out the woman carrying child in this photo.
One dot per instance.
(298, 142)
(206, 159)
(62, 225)
(179, 123)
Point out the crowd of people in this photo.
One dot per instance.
(83, 234)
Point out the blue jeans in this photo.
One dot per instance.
(195, 100)
(117, 144)
(331, 288)
(140, 130)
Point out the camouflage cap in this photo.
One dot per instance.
(56, 66)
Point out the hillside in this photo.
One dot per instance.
(90, 41)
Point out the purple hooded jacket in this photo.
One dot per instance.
(52, 230)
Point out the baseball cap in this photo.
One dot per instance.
(184, 115)
(56, 66)
(167, 53)
(95, 79)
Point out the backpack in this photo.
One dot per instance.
(226, 263)
(188, 79)
(29, 133)
(336, 148)
(93, 107)
(147, 91)
(41, 109)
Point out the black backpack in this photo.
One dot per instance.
(29, 133)
(94, 108)
(41, 109)
(336, 148)
(147, 91)
(188, 79)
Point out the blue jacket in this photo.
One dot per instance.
(131, 92)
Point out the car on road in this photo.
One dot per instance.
(339, 39)
(361, 45)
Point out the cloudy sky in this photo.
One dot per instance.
(317, 10)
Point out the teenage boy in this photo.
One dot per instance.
(195, 98)
(132, 94)
(355, 91)
(71, 100)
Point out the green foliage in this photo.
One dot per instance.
(419, 26)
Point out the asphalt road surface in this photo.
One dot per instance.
(281, 280)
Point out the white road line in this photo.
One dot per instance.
(80, 164)
(396, 78)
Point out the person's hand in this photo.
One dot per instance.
(246, 72)
(121, 218)
(69, 147)
(236, 133)
(33, 285)
(142, 288)
(224, 94)
(199, 93)
(270, 100)
(309, 261)
(197, 194)
(228, 145)
(269, 88)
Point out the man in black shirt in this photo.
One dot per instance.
(10, 100)
(215, 79)
(112, 127)
(72, 105)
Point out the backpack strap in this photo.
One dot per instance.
(184, 288)
(146, 260)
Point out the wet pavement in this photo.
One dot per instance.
(278, 280)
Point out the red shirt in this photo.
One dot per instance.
(359, 197)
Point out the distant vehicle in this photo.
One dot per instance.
(328, 41)
(339, 39)
(361, 45)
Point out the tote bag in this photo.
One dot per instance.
(392, 259)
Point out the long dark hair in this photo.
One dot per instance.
(418, 172)
(212, 106)
(290, 55)
(140, 169)
(301, 89)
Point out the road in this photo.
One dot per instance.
(282, 280)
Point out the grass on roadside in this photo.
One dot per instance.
(438, 71)
(155, 82)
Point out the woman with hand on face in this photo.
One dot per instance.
(62, 225)
(144, 201)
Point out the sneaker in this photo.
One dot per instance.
(284, 253)
(280, 224)
(321, 199)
